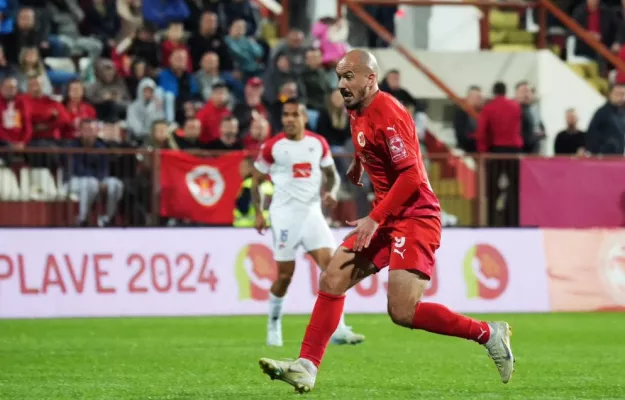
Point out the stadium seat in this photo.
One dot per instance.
(43, 187)
(571, 42)
(502, 20)
(60, 64)
(513, 47)
(9, 187)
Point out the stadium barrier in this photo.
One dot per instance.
(226, 271)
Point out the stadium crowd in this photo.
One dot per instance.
(195, 75)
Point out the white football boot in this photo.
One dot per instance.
(300, 373)
(345, 335)
(499, 349)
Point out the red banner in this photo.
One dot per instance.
(199, 189)
(572, 193)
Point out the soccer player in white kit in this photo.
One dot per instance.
(297, 161)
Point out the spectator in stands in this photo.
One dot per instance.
(8, 9)
(245, 51)
(279, 74)
(188, 137)
(66, 15)
(30, 64)
(25, 34)
(606, 131)
(108, 94)
(252, 106)
(228, 135)
(293, 48)
(89, 175)
(138, 71)
(465, 126)
(600, 22)
(257, 134)
(571, 140)
(209, 74)
(288, 90)
(15, 121)
(499, 124)
(103, 21)
(392, 84)
(161, 13)
(6, 68)
(332, 36)
(49, 118)
(197, 7)
(77, 108)
(144, 111)
(180, 87)
(174, 40)
(131, 17)
(316, 85)
(210, 39)
(215, 110)
(144, 46)
(334, 126)
(530, 126)
(234, 10)
(160, 137)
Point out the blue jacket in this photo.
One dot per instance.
(87, 164)
(245, 52)
(161, 12)
(169, 83)
(8, 8)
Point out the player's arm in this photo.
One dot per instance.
(331, 178)
(401, 140)
(260, 171)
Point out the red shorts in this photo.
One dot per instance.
(404, 244)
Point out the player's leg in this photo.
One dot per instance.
(318, 240)
(285, 241)
(343, 333)
(345, 270)
(411, 264)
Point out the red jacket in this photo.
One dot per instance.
(49, 118)
(15, 120)
(168, 47)
(210, 116)
(499, 125)
(77, 114)
(249, 143)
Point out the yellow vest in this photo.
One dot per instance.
(247, 220)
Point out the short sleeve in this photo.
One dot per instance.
(265, 158)
(326, 155)
(400, 135)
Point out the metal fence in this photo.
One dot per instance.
(41, 187)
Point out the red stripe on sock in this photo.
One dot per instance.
(437, 318)
(323, 322)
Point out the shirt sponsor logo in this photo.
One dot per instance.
(302, 170)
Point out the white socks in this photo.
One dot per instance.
(275, 308)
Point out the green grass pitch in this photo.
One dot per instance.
(559, 356)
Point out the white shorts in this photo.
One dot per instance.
(292, 227)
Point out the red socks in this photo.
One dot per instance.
(437, 318)
(323, 322)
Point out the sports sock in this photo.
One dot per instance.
(437, 318)
(275, 308)
(341, 323)
(323, 322)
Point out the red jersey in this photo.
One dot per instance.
(385, 140)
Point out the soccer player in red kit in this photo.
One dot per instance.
(402, 232)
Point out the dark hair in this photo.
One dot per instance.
(228, 118)
(392, 71)
(66, 97)
(294, 100)
(474, 87)
(499, 89)
(219, 85)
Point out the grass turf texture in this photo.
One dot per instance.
(559, 356)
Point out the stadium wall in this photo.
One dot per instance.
(47, 273)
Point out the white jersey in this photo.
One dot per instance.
(295, 168)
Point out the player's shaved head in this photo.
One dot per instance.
(358, 78)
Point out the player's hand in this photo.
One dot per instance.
(260, 224)
(365, 228)
(329, 201)
(354, 172)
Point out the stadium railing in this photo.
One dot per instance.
(35, 190)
